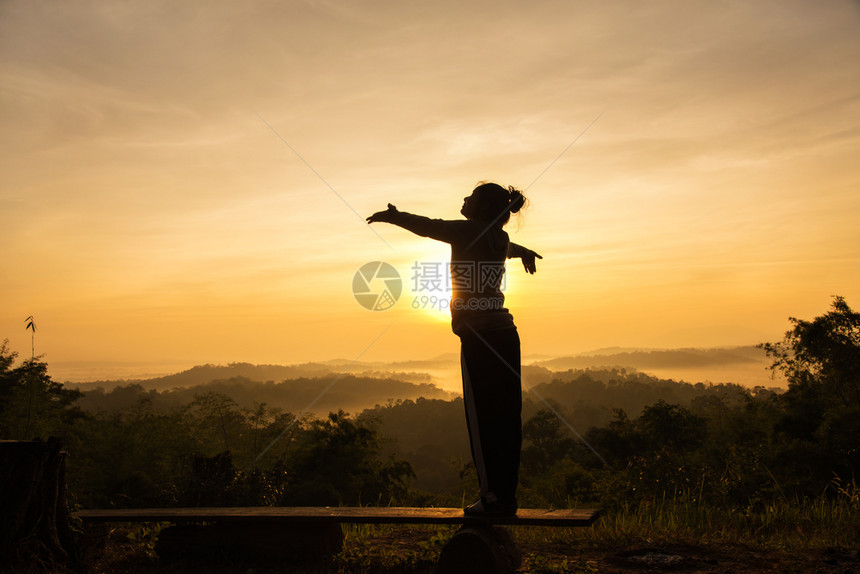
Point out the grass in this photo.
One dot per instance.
(801, 529)
(798, 524)
(795, 525)
(781, 528)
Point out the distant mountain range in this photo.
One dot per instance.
(663, 358)
(318, 395)
(204, 374)
(747, 366)
(359, 385)
(438, 376)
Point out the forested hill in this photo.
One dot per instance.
(592, 392)
(205, 374)
(431, 434)
(746, 365)
(592, 396)
(659, 358)
(318, 395)
(586, 398)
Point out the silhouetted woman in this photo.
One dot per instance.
(490, 344)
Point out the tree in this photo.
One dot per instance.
(546, 442)
(821, 421)
(217, 419)
(821, 358)
(31, 404)
(31, 326)
(337, 461)
(130, 457)
(671, 427)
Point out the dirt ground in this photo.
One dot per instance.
(705, 560)
(408, 551)
(545, 558)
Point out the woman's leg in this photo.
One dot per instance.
(493, 398)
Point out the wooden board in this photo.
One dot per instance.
(366, 515)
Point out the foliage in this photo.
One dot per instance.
(820, 427)
(431, 434)
(129, 458)
(335, 463)
(591, 396)
(146, 458)
(730, 446)
(821, 358)
(31, 404)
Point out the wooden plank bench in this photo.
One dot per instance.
(346, 514)
(481, 545)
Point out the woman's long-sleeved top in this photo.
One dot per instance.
(478, 253)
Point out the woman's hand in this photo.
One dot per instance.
(529, 261)
(384, 216)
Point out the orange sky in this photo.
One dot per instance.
(154, 208)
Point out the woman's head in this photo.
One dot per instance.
(492, 203)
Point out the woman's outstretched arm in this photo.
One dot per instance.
(439, 229)
(527, 255)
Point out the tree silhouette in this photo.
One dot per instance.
(821, 358)
(821, 421)
(31, 325)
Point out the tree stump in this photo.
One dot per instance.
(479, 549)
(34, 516)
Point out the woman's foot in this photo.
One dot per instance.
(497, 508)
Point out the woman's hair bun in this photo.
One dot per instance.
(516, 199)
